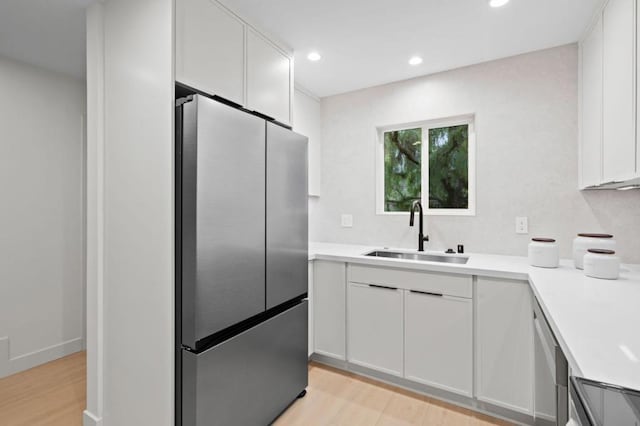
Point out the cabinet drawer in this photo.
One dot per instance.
(430, 282)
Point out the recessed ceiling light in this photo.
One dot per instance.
(498, 3)
(415, 60)
(314, 56)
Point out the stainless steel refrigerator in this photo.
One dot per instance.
(241, 265)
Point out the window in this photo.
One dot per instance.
(432, 162)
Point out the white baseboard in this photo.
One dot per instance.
(88, 419)
(9, 366)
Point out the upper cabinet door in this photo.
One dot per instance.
(619, 144)
(591, 151)
(210, 49)
(637, 97)
(268, 78)
(307, 121)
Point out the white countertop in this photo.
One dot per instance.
(596, 322)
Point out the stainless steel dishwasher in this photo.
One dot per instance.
(600, 404)
(551, 404)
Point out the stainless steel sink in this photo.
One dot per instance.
(419, 256)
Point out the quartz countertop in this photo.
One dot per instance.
(596, 322)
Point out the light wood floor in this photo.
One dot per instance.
(50, 394)
(335, 397)
(54, 395)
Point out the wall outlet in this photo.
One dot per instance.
(522, 225)
(346, 221)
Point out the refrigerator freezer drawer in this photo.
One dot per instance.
(249, 379)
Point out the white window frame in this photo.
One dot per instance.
(469, 120)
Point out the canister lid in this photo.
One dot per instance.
(543, 240)
(601, 251)
(596, 235)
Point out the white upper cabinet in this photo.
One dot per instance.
(220, 54)
(269, 78)
(608, 140)
(210, 49)
(619, 147)
(307, 121)
(637, 97)
(591, 147)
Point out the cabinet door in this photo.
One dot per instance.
(307, 121)
(375, 328)
(310, 297)
(504, 344)
(637, 91)
(268, 78)
(210, 49)
(439, 341)
(619, 147)
(329, 315)
(591, 134)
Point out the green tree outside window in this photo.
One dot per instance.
(449, 167)
(402, 169)
(448, 157)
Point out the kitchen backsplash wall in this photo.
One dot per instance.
(526, 119)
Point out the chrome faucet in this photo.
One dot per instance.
(421, 237)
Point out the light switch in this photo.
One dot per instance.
(522, 225)
(346, 221)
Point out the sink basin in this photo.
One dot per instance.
(419, 256)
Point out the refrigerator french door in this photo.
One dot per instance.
(287, 215)
(241, 265)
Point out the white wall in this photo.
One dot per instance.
(130, 351)
(526, 110)
(41, 236)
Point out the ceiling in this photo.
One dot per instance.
(46, 33)
(365, 43)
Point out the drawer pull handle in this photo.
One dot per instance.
(427, 293)
(382, 286)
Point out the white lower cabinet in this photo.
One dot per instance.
(375, 327)
(439, 341)
(311, 306)
(504, 343)
(435, 329)
(329, 308)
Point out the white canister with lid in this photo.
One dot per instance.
(584, 242)
(544, 253)
(599, 263)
